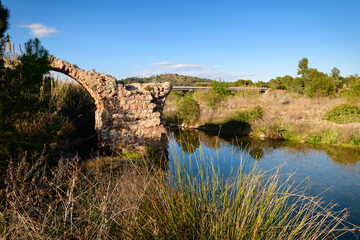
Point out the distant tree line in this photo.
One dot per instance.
(314, 83)
(174, 79)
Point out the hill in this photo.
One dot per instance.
(174, 79)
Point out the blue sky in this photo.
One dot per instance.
(227, 40)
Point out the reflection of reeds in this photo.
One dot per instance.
(135, 203)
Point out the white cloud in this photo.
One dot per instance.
(40, 30)
(195, 70)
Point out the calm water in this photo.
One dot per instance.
(333, 170)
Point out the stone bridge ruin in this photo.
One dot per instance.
(127, 116)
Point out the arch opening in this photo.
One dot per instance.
(75, 103)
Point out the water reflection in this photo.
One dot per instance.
(333, 172)
(190, 140)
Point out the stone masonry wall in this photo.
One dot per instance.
(127, 115)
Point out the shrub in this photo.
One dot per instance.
(213, 99)
(188, 110)
(254, 114)
(355, 87)
(344, 113)
(220, 87)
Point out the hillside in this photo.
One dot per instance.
(174, 79)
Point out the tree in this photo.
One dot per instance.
(4, 15)
(27, 119)
(336, 78)
(303, 67)
(335, 73)
(320, 85)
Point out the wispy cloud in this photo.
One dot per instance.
(40, 30)
(196, 70)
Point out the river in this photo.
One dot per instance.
(332, 172)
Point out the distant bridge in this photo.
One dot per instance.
(196, 88)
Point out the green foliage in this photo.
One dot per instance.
(355, 141)
(320, 86)
(262, 84)
(314, 83)
(188, 110)
(201, 84)
(344, 113)
(4, 15)
(332, 139)
(254, 114)
(27, 118)
(314, 139)
(213, 99)
(220, 87)
(355, 87)
(303, 67)
(242, 83)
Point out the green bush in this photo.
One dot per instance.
(220, 87)
(355, 87)
(213, 99)
(188, 110)
(344, 113)
(254, 114)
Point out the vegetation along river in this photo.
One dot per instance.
(332, 172)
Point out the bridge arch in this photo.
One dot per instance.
(126, 116)
(93, 82)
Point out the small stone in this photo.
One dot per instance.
(151, 105)
(133, 107)
(262, 136)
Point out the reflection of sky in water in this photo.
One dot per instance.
(340, 182)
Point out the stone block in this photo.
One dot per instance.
(126, 107)
(133, 106)
(152, 105)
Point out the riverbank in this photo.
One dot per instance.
(275, 115)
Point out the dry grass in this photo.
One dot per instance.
(67, 202)
(291, 115)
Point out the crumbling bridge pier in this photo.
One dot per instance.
(127, 116)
